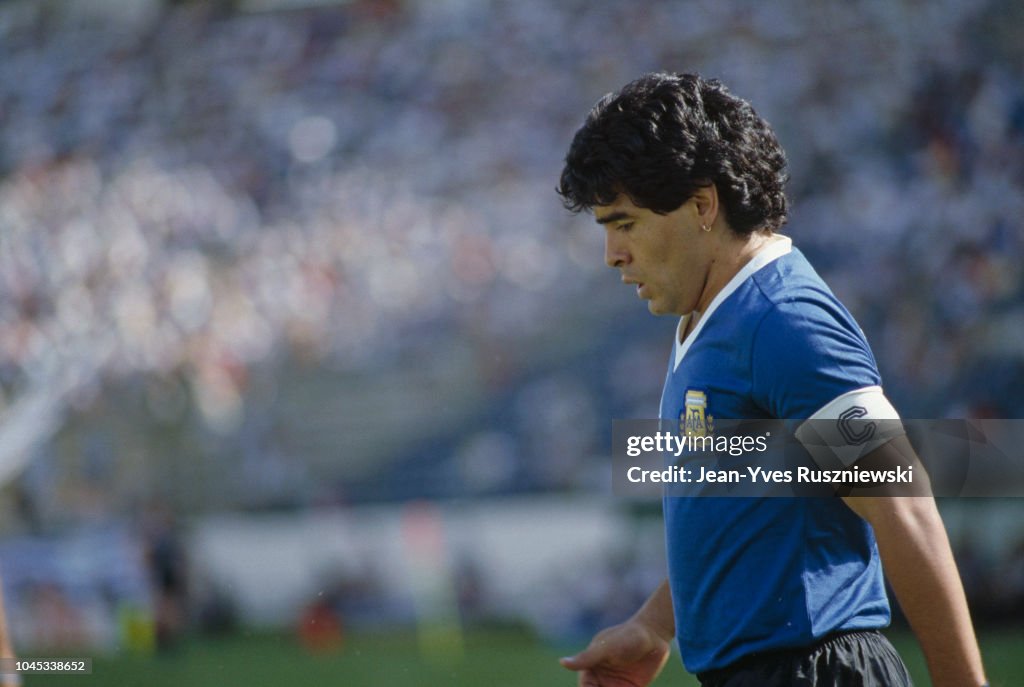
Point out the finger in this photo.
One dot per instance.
(570, 662)
(587, 658)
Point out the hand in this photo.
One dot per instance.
(627, 655)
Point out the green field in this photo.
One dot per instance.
(495, 659)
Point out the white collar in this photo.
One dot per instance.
(768, 253)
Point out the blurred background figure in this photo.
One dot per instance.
(320, 624)
(287, 266)
(168, 572)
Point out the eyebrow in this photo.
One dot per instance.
(613, 217)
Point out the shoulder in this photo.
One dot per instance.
(798, 303)
(791, 278)
(807, 349)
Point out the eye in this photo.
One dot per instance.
(626, 226)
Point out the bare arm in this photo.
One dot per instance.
(633, 653)
(657, 612)
(918, 563)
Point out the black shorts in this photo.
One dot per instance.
(843, 659)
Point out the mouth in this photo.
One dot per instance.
(639, 285)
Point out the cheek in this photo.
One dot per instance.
(676, 265)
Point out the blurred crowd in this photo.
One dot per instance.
(197, 192)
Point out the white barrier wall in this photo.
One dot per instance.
(270, 565)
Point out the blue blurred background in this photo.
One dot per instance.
(292, 321)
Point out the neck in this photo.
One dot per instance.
(734, 252)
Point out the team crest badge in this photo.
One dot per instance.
(695, 421)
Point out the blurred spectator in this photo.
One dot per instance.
(194, 200)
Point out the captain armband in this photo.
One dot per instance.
(850, 427)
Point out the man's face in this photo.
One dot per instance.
(668, 257)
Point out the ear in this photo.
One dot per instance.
(705, 200)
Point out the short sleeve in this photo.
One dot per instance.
(805, 355)
(812, 363)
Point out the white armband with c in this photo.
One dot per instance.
(849, 427)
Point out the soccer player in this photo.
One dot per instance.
(687, 181)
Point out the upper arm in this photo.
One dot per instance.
(805, 355)
(881, 503)
(812, 362)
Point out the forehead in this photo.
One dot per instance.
(620, 208)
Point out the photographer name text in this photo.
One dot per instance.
(757, 475)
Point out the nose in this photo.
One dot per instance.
(615, 251)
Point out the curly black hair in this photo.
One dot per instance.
(664, 136)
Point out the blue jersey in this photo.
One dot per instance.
(756, 574)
